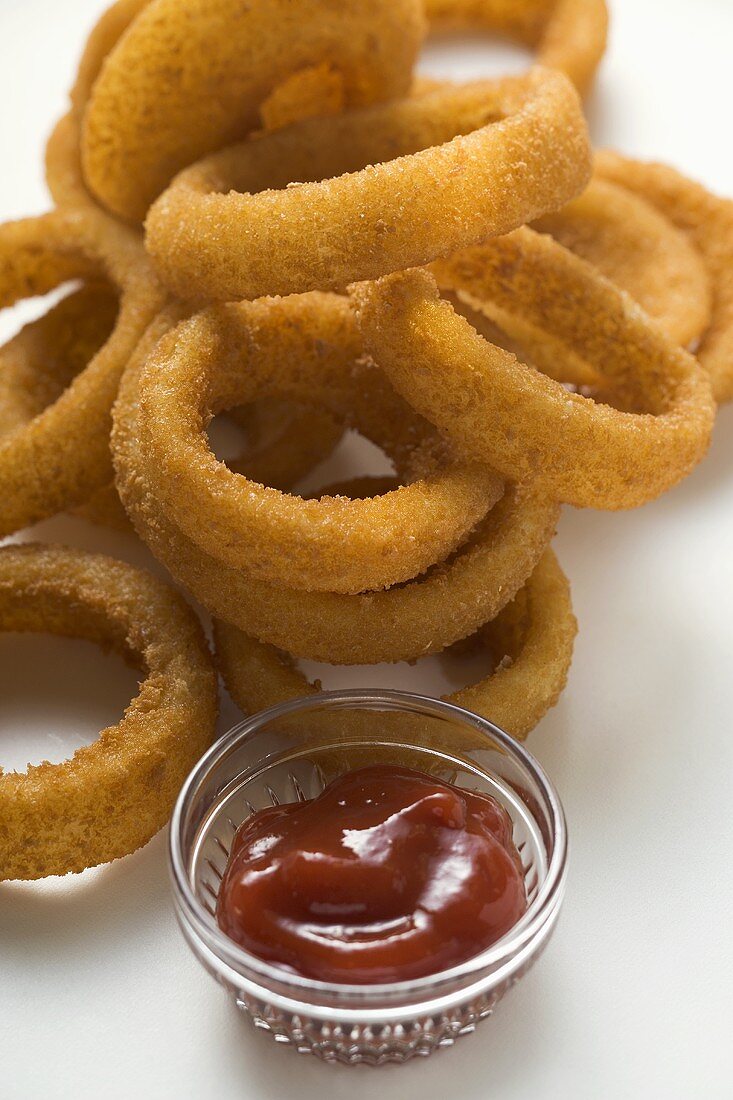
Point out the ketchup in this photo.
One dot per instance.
(388, 875)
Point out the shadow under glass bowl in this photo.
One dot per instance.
(289, 753)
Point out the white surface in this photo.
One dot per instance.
(100, 997)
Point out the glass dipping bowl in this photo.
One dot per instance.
(290, 752)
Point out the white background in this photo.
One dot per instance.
(99, 997)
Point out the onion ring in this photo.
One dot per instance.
(635, 247)
(307, 349)
(115, 794)
(401, 623)
(521, 151)
(519, 420)
(311, 92)
(59, 458)
(569, 35)
(641, 251)
(189, 76)
(539, 629)
(42, 360)
(38, 364)
(707, 222)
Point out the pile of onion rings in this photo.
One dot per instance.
(515, 322)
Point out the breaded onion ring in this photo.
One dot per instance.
(707, 222)
(307, 349)
(641, 251)
(313, 91)
(535, 636)
(189, 76)
(569, 35)
(59, 458)
(38, 364)
(635, 247)
(111, 797)
(521, 150)
(519, 420)
(401, 623)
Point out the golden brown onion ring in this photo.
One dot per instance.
(42, 360)
(634, 246)
(111, 797)
(307, 349)
(537, 632)
(38, 364)
(641, 251)
(524, 423)
(60, 457)
(569, 35)
(189, 76)
(707, 222)
(312, 91)
(521, 150)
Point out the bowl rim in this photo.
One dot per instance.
(246, 964)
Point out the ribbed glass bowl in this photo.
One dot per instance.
(289, 753)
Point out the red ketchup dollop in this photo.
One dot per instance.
(388, 875)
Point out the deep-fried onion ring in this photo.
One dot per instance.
(641, 251)
(111, 797)
(538, 629)
(59, 458)
(634, 246)
(189, 76)
(519, 420)
(707, 221)
(42, 360)
(521, 151)
(305, 348)
(38, 364)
